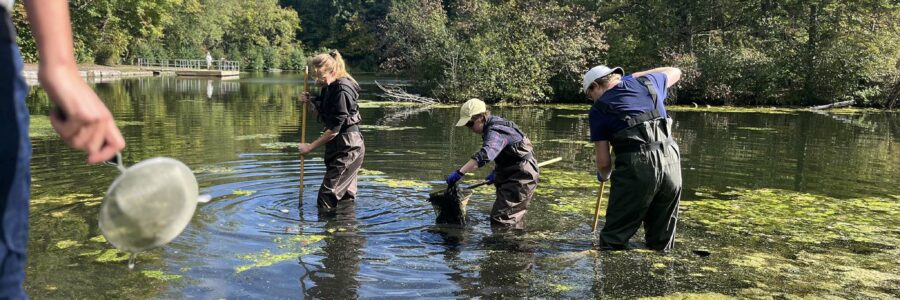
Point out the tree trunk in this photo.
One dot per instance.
(810, 83)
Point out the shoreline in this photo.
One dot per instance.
(94, 73)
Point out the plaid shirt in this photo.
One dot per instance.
(496, 137)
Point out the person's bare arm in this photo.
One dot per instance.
(673, 75)
(82, 120)
(604, 165)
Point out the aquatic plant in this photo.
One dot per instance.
(299, 246)
(240, 192)
(160, 275)
(798, 217)
(255, 136)
(387, 128)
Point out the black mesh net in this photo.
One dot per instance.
(450, 205)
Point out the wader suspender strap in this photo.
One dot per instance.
(650, 115)
(512, 125)
(643, 117)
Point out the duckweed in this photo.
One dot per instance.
(690, 296)
(367, 172)
(280, 146)
(157, 274)
(297, 246)
(266, 258)
(255, 137)
(561, 288)
(402, 183)
(798, 217)
(239, 192)
(734, 109)
(112, 255)
(383, 104)
(214, 170)
(66, 199)
(387, 128)
(66, 244)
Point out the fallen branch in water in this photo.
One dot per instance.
(398, 94)
(833, 105)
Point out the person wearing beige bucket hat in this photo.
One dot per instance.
(515, 172)
(628, 114)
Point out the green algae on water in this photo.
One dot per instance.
(214, 170)
(255, 137)
(387, 128)
(112, 255)
(690, 296)
(402, 183)
(66, 199)
(367, 172)
(240, 192)
(66, 244)
(734, 109)
(799, 217)
(299, 245)
(159, 275)
(98, 239)
(280, 146)
(385, 104)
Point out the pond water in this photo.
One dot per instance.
(786, 203)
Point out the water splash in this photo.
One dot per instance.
(131, 261)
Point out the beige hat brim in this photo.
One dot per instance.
(462, 121)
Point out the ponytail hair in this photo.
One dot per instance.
(332, 62)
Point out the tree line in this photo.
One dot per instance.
(753, 52)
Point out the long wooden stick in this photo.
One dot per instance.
(597, 210)
(303, 128)
(539, 165)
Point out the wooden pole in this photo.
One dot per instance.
(597, 210)
(303, 129)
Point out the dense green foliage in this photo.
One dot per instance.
(515, 50)
(757, 52)
(261, 34)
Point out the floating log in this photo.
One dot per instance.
(833, 105)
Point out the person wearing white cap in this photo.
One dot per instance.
(515, 173)
(628, 114)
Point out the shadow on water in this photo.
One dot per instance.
(791, 204)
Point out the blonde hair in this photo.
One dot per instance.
(605, 80)
(332, 62)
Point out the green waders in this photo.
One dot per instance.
(516, 180)
(646, 184)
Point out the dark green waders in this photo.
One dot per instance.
(516, 179)
(646, 183)
(646, 188)
(343, 158)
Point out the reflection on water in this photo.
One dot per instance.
(259, 238)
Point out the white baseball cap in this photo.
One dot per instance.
(597, 72)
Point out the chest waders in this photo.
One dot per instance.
(343, 158)
(646, 180)
(516, 179)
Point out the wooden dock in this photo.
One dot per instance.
(225, 69)
(209, 73)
